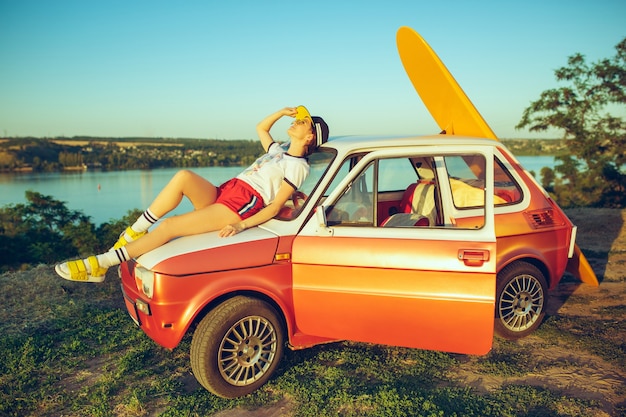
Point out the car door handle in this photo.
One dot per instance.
(473, 257)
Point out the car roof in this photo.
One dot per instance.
(349, 144)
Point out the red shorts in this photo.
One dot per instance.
(240, 197)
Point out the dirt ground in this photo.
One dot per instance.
(577, 373)
(602, 237)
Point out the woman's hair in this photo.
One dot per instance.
(319, 128)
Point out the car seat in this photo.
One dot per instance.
(417, 207)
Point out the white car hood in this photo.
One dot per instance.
(180, 253)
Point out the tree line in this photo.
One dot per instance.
(57, 154)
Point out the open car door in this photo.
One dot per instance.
(423, 287)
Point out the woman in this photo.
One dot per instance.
(250, 199)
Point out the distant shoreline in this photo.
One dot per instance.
(61, 154)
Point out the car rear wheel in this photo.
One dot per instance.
(521, 299)
(236, 347)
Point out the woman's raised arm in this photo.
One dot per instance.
(264, 126)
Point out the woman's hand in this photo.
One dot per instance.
(264, 126)
(231, 229)
(290, 111)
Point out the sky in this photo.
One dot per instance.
(214, 69)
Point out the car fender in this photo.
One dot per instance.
(507, 257)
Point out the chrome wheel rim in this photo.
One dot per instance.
(247, 350)
(521, 303)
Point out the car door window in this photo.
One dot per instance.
(420, 199)
(402, 188)
(355, 206)
(395, 174)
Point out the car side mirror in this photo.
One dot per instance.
(322, 228)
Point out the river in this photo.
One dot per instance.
(110, 195)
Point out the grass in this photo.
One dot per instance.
(69, 349)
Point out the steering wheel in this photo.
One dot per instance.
(297, 198)
(288, 213)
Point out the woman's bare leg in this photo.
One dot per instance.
(198, 190)
(210, 218)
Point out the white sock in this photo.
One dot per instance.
(144, 221)
(111, 258)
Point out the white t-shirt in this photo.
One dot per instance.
(267, 173)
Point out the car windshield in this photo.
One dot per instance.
(319, 161)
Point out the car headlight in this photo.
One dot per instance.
(145, 281)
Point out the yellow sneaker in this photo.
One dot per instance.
(132, 235)
(77, 271)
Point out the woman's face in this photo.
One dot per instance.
(301, 129)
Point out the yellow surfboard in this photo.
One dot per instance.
(581, 269)
(453, 111)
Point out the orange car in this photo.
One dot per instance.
(425, 242)
(411, 242)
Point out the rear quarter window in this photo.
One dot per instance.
(466, 172)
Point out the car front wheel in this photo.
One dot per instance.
(521, 299)
(236, 347)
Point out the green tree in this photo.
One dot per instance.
(591, 174)
(42, 231)
(70, 159)
(547, 178)
(7, 160)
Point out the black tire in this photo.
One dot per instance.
(237, 346)
(521, 300)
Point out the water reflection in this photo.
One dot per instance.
(102, 195)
